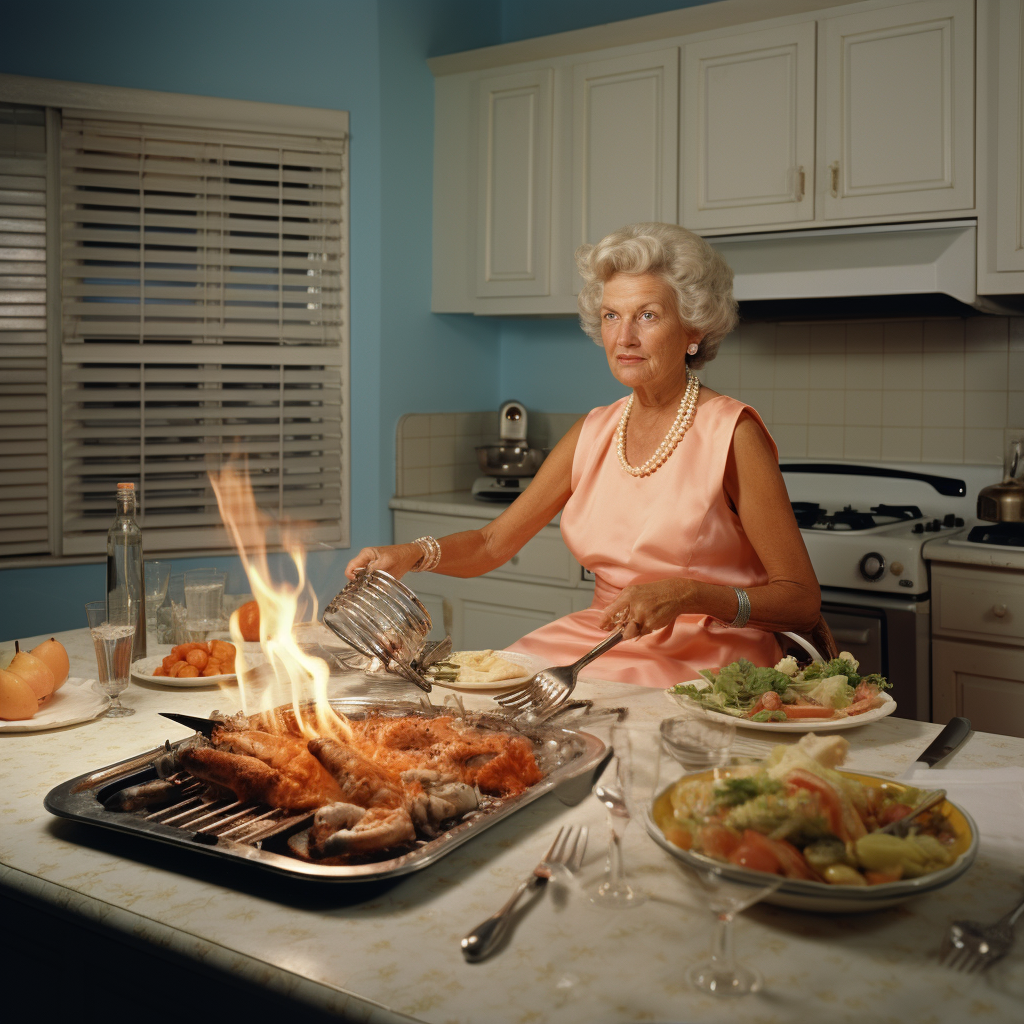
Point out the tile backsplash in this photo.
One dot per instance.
(935, 390)
(903, 391)
(435, 452)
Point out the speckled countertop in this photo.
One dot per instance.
(388, 952)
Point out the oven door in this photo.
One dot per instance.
(889, 636)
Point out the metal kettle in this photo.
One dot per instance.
(1004, 502)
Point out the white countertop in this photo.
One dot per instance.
(454, 503)
(388, 952)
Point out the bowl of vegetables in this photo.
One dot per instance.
(820, 696)
(797, 815)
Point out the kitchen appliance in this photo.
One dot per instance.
(509, 465)
(1003, 503)
(255, 834)
(865, 528)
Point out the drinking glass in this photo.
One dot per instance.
(204, 599)
(157, 575)
(624, 789)
(112, 636)
(176, 599)
(677, 750)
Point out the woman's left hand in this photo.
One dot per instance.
(645, 607)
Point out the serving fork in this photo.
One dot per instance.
(970, 946)
(566, 852)
(550, 687)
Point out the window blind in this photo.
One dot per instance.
(204, 316)
(23, 367)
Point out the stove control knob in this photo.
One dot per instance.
(918, 527)
(949, 519)
(872, 566)
(896, 568)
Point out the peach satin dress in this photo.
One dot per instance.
(676, 522)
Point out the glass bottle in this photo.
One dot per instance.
(125, 583)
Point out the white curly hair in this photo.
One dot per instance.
(700, 277)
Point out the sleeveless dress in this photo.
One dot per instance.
(675, 523)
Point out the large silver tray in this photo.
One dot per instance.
(79, 799)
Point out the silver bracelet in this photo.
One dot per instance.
(431, 554)
(743, 611)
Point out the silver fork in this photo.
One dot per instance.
(566, 851)
(551, 687)
(970, 946)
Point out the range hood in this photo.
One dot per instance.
(887, 269)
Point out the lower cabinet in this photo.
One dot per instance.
(982, 683)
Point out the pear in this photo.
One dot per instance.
(17, 700)
(54, 655)
(34, 672)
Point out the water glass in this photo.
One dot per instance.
(174, 615)
(157, 575)
(204, 600)
(698, 740)
(112, 636)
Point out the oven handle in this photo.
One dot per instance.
(947, 485)
(851, 636)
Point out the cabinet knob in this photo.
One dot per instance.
(514, 560)
(999, 610)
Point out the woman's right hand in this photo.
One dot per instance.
(396, 559)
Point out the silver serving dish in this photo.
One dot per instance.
(257, 834)
(509, 459)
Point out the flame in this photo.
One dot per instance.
(291, 676)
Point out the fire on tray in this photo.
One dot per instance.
(372, 784)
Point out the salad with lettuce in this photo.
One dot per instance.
(796, 815)
(821, 691)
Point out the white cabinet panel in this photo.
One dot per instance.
(514, 184)
(625, 142)
(982, 683)
(748, 128)
(896, 110)
(1009, 207)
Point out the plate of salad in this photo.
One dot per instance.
(788, 698)
(797, 815)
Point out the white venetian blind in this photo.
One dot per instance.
(23, 401)
(203, 316)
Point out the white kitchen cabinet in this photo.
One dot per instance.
(978, 646)
(982, 683)
(625, 142)
(896, 110)
(1000, 147)
(747, 152)
(514, 183)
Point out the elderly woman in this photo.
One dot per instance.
(672, 496)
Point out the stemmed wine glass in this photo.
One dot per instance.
(623, 790)
(157, 575)
(112, 634)
(699, 743)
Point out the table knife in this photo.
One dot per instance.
(949, 739)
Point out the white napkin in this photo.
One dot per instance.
(994, 797)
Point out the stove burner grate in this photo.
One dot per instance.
(811, 516)
(1009, 535)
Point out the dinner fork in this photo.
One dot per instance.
(566, 852)
(547, 689)
(970, 946)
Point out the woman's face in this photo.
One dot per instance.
(643, 337)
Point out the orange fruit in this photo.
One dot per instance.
(249, 620)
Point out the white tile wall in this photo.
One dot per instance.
(905, 390)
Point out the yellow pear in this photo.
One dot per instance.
(17, 700)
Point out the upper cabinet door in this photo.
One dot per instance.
(1006, 214)
(748, 129)
(625, 142)
(897, 110)
(514, 184)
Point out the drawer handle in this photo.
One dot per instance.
(999, 610)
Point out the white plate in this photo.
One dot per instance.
(78, 700)
(530, 665)
(143, 669)
(800, 725)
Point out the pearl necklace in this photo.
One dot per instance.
(680, 425)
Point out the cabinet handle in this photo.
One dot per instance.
(801, 179)
(833, 170)
(999, 610)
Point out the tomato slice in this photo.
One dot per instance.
(827, 796)
(756, 852)
(793, 863)
(717, 841)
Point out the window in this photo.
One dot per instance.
(202, 313)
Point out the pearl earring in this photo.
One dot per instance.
(691, 349)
